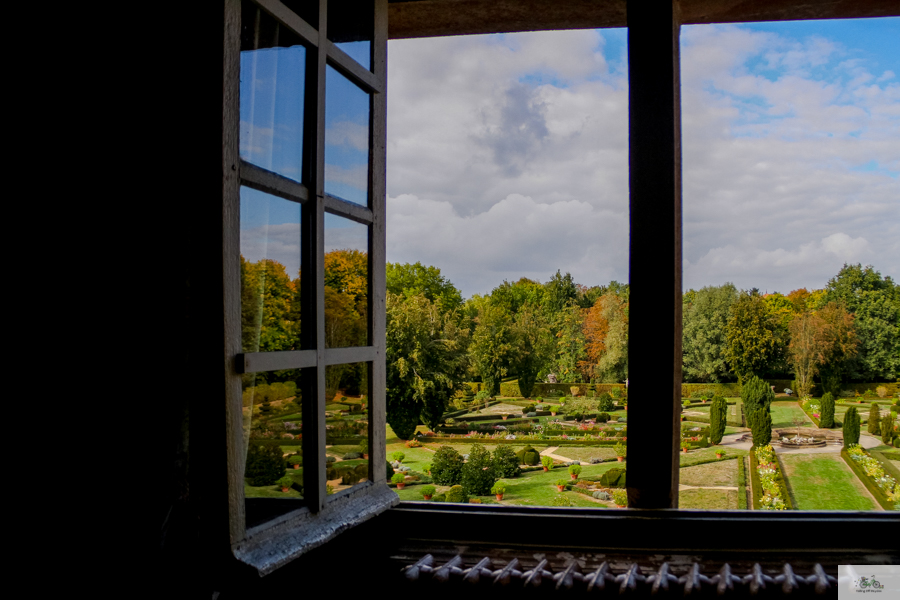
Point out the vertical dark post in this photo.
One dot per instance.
(312, 280)
(654, 340)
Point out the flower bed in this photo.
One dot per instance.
(871, 472)
(769, 492)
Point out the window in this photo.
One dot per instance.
(269, 533)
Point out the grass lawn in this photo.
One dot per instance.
(708, 499)
(717, 473)
(692, 457)
(824, 482)
(783, 414)
(863, 409)
(585, 454)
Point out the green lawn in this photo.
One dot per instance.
(692, 457)
(824, 482)
(585, 454)
(708, 499)
(710, 474)
(784, 413)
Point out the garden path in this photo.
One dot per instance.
(682, 486)
(550, 452)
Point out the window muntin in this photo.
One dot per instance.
(346, 139)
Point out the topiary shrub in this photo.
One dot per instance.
(603, 417)
(605, 402)
(599, 495)
(265, 465)
(352, 456)
(528, 456)
(562, 500)
(755, 394)
(506, 464)
(887, 430)
(446, 467)
(761, 427)
(478, 472)
(826, 419)
(851, 427)
(532, 414)
(874, 419)
(528, 409)
(717, 415)
(614, 478)
(350, 478)
(455, 494)
(439, 498)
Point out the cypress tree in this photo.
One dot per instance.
(762, 427)
(755, 394)
(851, 427)
(827, 420)
(887, 430)
(717, 420)
(874, 419)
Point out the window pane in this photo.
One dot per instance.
(346, 139)
(347, 425)
(273, 436)
(272, 74)
(346, 283)
(270, 272)
(350, 27)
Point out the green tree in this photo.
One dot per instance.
(851, 427)
(762, 427)
(755, 395)
(750, 337)
(705, 319)
(266, 297)
(265, 464)
(560, 292)
(414, 279)
(717, 415)
(808, 349)
(827, 414)
(478, 475)
(874, 423)
(506, 464)
(605, 330)
(841, 345)
(426, 362)
(491, 346)
(887, 430)
(446, 466)
(531, 347)
(570, 346)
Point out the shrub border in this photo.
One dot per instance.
(742, 484)
(870, 485)
(755, 486)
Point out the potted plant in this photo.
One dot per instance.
(427, 491)
(561, 484)
(546, 462)
(620, 497)
(285, 483)
(364, 447)
(720, 452)
(540, 400)
(574, 471)
(499, 489)
(504, 417)
(685, 446)
(399, 479)
(295, 461)
(398, 456)
(553, 410)
(621, 451)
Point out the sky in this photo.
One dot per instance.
(507, 154)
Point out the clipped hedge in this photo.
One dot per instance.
(755, 487)
(719, 389)
(873, 488)
(742, 485)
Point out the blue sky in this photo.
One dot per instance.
(507, 154)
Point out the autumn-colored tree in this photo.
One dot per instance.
(808, 349)
(605, 330)
(842, 345)
(750, 336)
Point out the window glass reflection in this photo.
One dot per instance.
(272, 84)
(346, 283)
(346, 139)
(350, 27)
(347, 425)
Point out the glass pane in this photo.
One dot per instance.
(347, 425)
(270, 272)
(346, 283)
(350, 27)
(273, 437)
(272, 82)
(346, 139)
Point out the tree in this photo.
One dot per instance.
(491, 344)
(414, 279)
(605, 331)
(426, 362)
(446, 466)
(506, 464)
(717, 415)
(531, 347)
(851, 427)
(874, 424)
(478, 476)
(887, 430)
(808, 349)
(569, 345)
(755, 394)
(265, 464)
(266, 296)
(750, 337)
(841, 345)
(560, 292)
(827, 414)
(705, 318)
(761, 429)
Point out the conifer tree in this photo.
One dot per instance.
(827, 414)
(874, 420)
(717, 420)
(755, 394)
(762, 427)
(851, 427)
(887, 430)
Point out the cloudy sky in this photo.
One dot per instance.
(507, 154)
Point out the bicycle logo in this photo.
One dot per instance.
(865, 582)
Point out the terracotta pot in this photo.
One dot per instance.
(504, 417)
(366, 456)
(284, 489)
(574, 476)
(546, 469)
(499, 496)
(552, 414)
(296, 467)
(426, 497)
(684, 450)
(621, 458)
(718, 455)
(620, 506)
(400, 486)
(561, 487)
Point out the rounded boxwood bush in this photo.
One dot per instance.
(352, 455)
(446, 467)
(528, 456)
(265, 465)
(478, 473)
(506, 464)
(457, 494)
